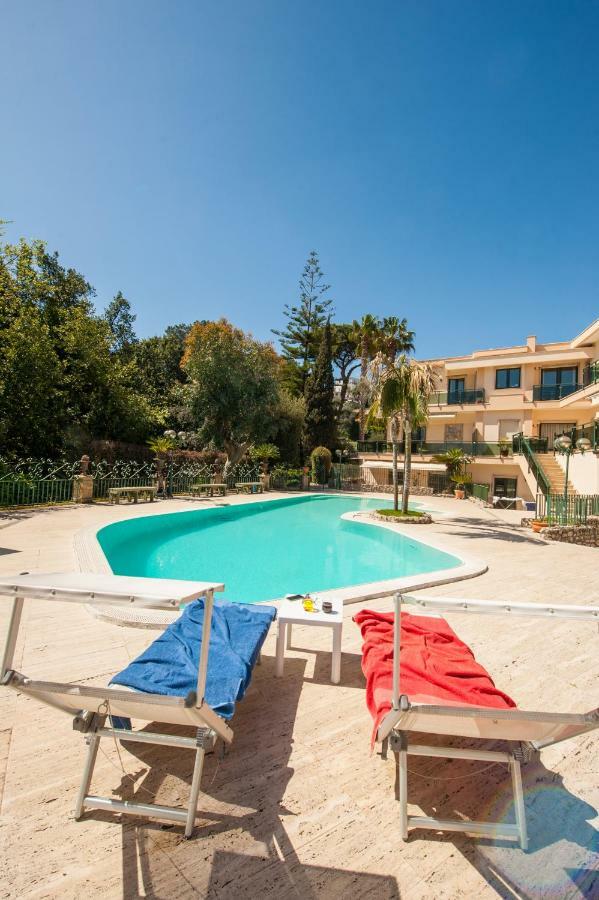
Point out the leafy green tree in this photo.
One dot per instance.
(305, 321)
(120, 320)
(345, 359)
(158, 366)
(234, 390)
(59, 384)
(289, 426)
(320, 423)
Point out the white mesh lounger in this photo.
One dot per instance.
(527, 732)
(92, 706)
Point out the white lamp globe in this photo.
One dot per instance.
(563, 442)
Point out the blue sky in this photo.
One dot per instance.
(442, 157)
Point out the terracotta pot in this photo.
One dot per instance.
(537, 526)
(459, 495)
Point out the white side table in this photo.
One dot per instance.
(291, 612)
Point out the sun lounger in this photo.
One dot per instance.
(171, 682)
(422, 678)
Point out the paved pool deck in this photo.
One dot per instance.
(300, 807)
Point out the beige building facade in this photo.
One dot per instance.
(484, 399)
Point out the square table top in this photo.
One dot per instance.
(293, 611)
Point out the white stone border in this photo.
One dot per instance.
(91, 557)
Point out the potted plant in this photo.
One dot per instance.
(460, 479)
(504, 448)
(455, 461)
(539, 524)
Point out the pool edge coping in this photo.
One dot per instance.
(91, 557)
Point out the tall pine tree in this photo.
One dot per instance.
(300, 338)
(320, 421)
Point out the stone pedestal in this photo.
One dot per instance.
(265, 480)
(83, 488)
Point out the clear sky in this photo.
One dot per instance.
(442, 157)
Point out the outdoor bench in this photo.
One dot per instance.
(116, 494)
(210, 489)
(249, 487)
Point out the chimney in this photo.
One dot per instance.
(531, 342)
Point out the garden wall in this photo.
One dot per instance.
(588, 534)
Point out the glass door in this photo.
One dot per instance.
(558, 383)
(550, 430)
(455, 390)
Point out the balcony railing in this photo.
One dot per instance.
(529, 447)
(554, 391)
(590, 374)
(432, 448)
(457, 398)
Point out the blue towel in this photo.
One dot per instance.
(170, 664)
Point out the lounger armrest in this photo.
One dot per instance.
(537, 727)
(75, 698)
(500, 607)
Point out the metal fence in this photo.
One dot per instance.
(29, 492)
(33, 482)
(573, 509)
(28, 482)
(122, 473)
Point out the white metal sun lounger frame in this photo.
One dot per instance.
(527, 731)
(93, 707)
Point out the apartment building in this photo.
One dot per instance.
(538, 390)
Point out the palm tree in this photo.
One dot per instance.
(367, 335)
(402, 393)
(395, 337)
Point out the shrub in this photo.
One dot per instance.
(321, 459)
(398, 514)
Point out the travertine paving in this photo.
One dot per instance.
(299, 807)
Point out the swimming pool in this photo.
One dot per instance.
(266, 549)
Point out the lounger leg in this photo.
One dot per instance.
(288, 635)
(519, 802)
(88, 770)
(403, 787)
(195, 790)
(384, 748)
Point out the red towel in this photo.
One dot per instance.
(436, 666)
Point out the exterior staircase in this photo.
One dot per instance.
(555, 474)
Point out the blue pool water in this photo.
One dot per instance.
(264, 550)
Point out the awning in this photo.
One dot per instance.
(419, 466)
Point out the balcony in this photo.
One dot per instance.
(590, 374)
(457, 398)
(554, 391)
(431, 448)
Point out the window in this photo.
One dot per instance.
(454, 432)
(507, 378)
(508, 428)
(505, 487)
(553, 377)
